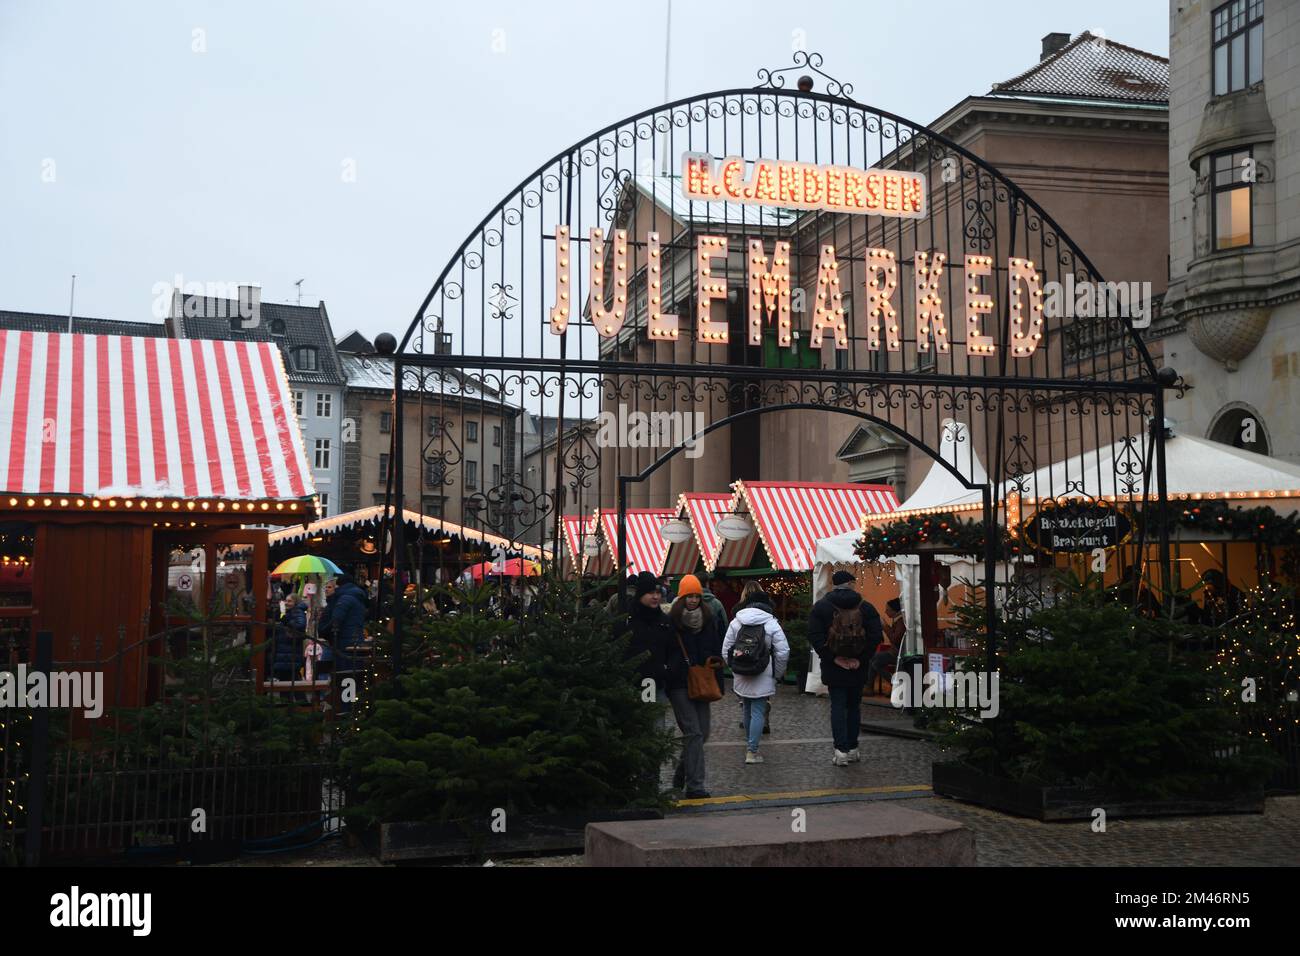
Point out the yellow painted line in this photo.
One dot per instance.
(795, 794)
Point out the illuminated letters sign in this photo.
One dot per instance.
(768, 275)
(789, 185)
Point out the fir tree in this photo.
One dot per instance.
(558, 726)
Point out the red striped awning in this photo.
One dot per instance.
(118, 416)
(683, 557)
(577, 528)
(734, 553)
(645, 545)
(792, 516)
(703, 509)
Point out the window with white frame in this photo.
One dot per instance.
(322, 458)
(324, 504)
(324, 405)
(297, 403)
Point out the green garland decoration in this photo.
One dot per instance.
(940, 531)
(1261, 524)
(945, 531)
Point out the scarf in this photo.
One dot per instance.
(693, 620)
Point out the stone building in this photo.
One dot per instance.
(459, 444)
(1234, 222)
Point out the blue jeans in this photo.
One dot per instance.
(846, 717)
(754, 710)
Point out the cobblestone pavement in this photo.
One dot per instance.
(1249, 839)
(797, 754)
(797, 758)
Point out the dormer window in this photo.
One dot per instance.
(277, 326)
(304, 358)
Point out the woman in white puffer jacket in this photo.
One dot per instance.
(755, 689)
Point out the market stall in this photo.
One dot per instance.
(352, 540)
(645, 546)
(142, 472)
(703, 511)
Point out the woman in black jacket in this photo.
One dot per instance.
(695, 640)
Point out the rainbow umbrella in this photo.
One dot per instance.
(306, 564)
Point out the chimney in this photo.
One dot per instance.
(1053, 43)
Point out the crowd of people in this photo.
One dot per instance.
(315, 641)
(684, 646)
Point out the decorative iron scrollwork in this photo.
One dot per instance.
(803, 60)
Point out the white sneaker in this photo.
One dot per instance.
(854, 756)
(840, 759)
(753, 758)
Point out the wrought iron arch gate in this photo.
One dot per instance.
(761, 249)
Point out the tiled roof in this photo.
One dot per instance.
(1094, 67)
(42, 322)
(354, 341)
(303, 325)
(375, 372)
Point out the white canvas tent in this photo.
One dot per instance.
(1195, 469)
(940, 488)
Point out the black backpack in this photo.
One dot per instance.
(750, 654)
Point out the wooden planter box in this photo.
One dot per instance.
(962, 782)
(409, 842)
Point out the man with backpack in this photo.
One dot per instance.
(757, 651)
(844, 631)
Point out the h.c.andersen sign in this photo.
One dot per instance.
(840, 189)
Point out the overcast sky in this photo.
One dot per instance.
(145, 139)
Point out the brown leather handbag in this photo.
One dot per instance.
(701, 682)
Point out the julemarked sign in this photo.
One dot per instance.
(811, 186)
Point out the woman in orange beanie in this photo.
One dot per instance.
(697, 642)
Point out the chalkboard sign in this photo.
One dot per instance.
(1077, 527)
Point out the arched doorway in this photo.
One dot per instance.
(1240, 426)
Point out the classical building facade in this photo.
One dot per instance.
(1234, 222)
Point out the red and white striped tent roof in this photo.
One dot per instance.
(703, 509)
(577, 529)
(106, 416)
(645, 545)
(791, 516)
